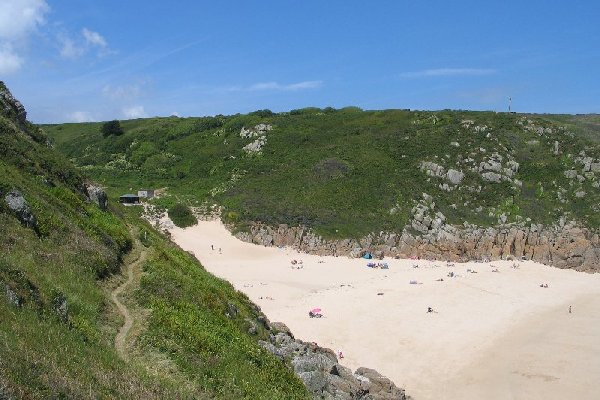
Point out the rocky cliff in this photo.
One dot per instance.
(564, 245)
(321, 373)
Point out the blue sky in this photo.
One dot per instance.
(97, 60)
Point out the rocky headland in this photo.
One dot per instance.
(564, 245)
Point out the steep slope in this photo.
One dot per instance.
(61, 249)
(454, 184)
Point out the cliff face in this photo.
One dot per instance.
(564, 246)
(11, 107)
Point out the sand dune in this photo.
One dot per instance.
(494, 335)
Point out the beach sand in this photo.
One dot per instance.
(494, 335)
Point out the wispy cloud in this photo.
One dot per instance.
(94, 38)
(134, 112)
(18, 19)
(275, 86)
(448, 72)
(9, 60)
(80, 116)
(72, 47)
(125, 92)
(69, 48)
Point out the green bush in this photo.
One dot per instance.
(182, 216)
(111, 128)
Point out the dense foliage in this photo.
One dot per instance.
(182, 215)
(111, 128)
(348, 172)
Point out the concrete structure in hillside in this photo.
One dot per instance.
(146, 193)
(129, 199)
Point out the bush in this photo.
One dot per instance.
(182, 216)
(111, 128)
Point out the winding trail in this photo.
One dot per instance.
(132, 268)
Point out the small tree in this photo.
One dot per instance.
(182, 216)
(111, 128)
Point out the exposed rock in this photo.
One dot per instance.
(563, 246)
(232, 310)
(432, 169)
(11, 107)
(492, 177)
(455, 176)
(61, 307)
(570, 174)
(17, 203)
(96, 195)
(252, 326)
(12, 297)
(258, 130)
(256, 146)
(324, 377)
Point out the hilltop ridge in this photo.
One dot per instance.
(446, 184)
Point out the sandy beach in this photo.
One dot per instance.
(495, 333)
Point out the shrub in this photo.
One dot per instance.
(182, 216)
(111, 128)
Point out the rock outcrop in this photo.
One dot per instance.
(321, 373)
(18, 205)
(96, 195)
(11, 107)
(564, 245)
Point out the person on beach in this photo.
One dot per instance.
(429, 309)
(569, 309)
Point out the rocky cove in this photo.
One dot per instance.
(564, 245)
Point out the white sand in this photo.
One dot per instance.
(496, 335)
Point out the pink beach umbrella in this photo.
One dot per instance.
(315, 310)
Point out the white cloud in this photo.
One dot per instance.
(126, 92)
(70, 49)
(9, 61)
(18, 19)
(134, 112)
(285, 87)
(73, 47)
(93, 38)
(80, 116)
(448, 72)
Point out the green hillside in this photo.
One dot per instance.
(349, 172)
(61, 255)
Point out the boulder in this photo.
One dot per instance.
(491, 177)
(455, 176)
(96, 195)
(324, 377)
(17, 204)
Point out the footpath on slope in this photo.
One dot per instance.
(133, 273)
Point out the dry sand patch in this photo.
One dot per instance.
(493, 335)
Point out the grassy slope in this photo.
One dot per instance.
(342, 171)
(46, 353)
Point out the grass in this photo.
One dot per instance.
(57, 322)
(341, 172)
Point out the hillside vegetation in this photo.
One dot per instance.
(349, 172)
(61, 253)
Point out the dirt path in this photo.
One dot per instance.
(132, 272)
